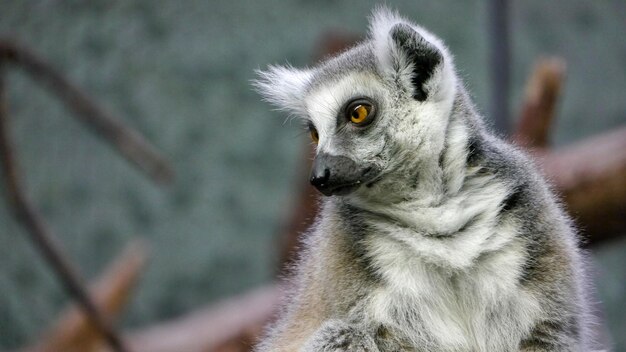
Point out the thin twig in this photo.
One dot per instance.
(128, 142)
(27, 214)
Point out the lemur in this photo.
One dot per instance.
(434, 235)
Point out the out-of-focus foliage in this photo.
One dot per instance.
(179, 72)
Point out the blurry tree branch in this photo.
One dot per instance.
(28, 215)
(538, 109)
(591, 177)
(129, 143)
(232, 325)
(228, 326)
(591, 174)
(72, 332)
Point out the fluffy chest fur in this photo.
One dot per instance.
(451, 273)
(479, 308)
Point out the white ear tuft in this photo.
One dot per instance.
(410, 55)
(381, 22)
(283, 86)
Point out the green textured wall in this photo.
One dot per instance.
(179, 72)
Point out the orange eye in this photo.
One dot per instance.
(360, 112)
(314, 135)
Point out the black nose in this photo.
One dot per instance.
(320, 177)
(335, 174)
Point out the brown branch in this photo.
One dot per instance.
(591, 176)
(42, 237)
(128, 142)
(539, 106)
(232, 325)
(73, 332)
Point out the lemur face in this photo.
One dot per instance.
(346, 121)
(375, 112)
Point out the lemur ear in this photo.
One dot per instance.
(419, 56)
(283, 86)
(406, 55)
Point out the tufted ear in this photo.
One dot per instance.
(408, 54)
(283, 86)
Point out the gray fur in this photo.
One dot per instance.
(459, 245)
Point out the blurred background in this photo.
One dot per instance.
(179, 73)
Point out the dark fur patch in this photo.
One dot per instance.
(535, 344)
(513, 200)
(547, 335)
(423, 55)
(529, 270)
(356, 227)
(474, 152)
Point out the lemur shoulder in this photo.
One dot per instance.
(435, 235)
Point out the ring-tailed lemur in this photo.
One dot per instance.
(435, 235)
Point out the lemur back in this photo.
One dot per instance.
(434, 234)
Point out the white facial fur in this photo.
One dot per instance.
(324, 107)
(283, 86)
(405, 134)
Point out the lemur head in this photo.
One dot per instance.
(377, 112)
